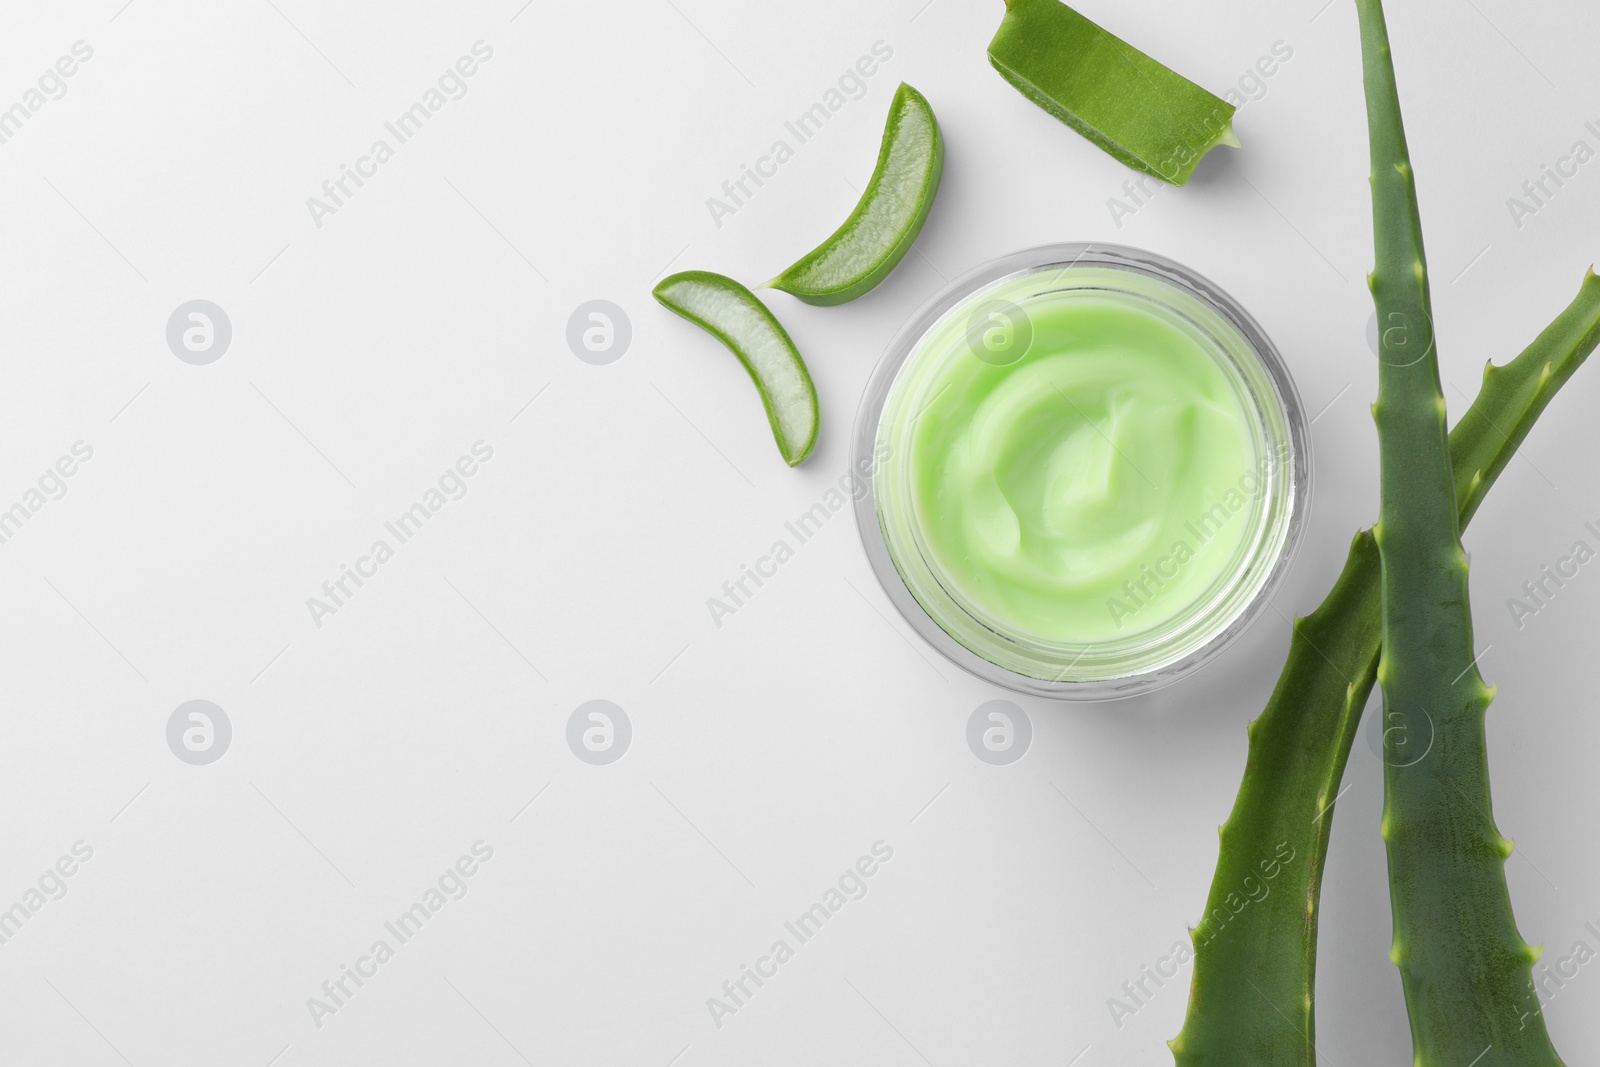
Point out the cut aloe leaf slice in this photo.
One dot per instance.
(1144, 114)
(736, 317)
(880, 231)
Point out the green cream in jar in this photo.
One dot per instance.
(1085, 471)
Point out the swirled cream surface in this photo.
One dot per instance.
(1078, 465)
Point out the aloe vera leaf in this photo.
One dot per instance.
(1466, 972)
(1251, 1004)
(1144, 114)
(888, 218)
(733, 315)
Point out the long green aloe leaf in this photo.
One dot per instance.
(1255, 966)
(1251, 1001)
(1251, 1004)
(1466, 971)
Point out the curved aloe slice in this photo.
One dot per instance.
(1144, 114)
(1254, 974)
(733, 315)
(885, 223)
(1466, 972)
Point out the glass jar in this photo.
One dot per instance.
(1008, 314)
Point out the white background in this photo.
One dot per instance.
(768, 754)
